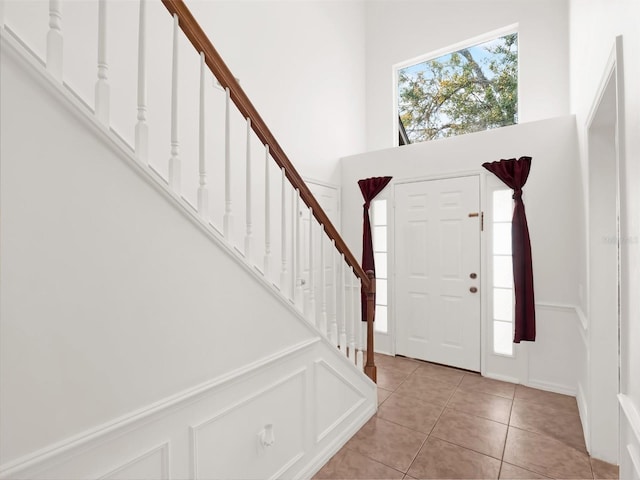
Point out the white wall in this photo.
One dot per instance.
(594, 24)
(401, 30)
(126, 322)
(551, 199)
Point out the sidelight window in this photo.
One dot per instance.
(380, 254)
(502, 272)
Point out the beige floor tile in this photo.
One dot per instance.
(427, 389)
(388, 443)
(390, 379)
(511, 472)
(383, 395)
(545, 455)
(475, 433)
(410, 412)
(561, 424)
(440, 373)
(477, 383)
(603, 470)
(439, 459)
(402, 364)
(547, 399)
(481, 404)
(348, 464)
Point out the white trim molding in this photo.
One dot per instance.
(126, 423)
(631, 413)
(632, 417)
(162, 449)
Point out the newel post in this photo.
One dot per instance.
(370, 367)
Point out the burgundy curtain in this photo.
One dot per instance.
(370, 188)
(514, 174)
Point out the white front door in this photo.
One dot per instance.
(437, 258)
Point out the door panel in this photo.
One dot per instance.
(437, 247)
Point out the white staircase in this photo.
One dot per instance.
(155, 322)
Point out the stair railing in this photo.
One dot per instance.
(219, 69)
(338, 321)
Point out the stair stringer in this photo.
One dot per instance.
(60, 324)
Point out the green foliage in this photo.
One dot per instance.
(456, 94)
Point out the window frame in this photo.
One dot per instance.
(470, 42)
(491, 286)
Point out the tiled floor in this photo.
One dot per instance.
(436, 422)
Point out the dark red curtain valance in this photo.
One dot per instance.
(514, 174)
(370, 188)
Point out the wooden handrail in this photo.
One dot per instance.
(201, 43)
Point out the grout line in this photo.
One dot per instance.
(506, 437)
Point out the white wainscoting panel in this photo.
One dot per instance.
(552, 357)
(151, 464)
(228, 445)
(314, 398)
(331, 409)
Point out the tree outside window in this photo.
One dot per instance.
(470, 90)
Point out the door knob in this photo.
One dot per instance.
(473, 275)
(473, 289)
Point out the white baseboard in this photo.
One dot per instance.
(502, 378)
(551, 387)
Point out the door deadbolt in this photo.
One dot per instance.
(473, 289)
(473, 275)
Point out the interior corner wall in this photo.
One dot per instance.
(401, 30)
(594, 25)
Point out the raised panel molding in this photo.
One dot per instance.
(631, 419)
(557, 331)
(92, 438)
(631, 413)
(260, 399)
(124, 471)
(343, 411)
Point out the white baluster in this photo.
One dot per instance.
(228, 217)
(142, 129)
(102, 85)
(54, 40)
(352, 317)
(299, 293)
(174, 161)
(312, 294)
(248, 234)
(283, 234)
(267, 213)
(333, 332)
(323, 283)
(359, 327)
(203, 192)
(294, 266)
(343, 308)
(2, 13)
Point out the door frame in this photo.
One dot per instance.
(481, 175)
(604, 144)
